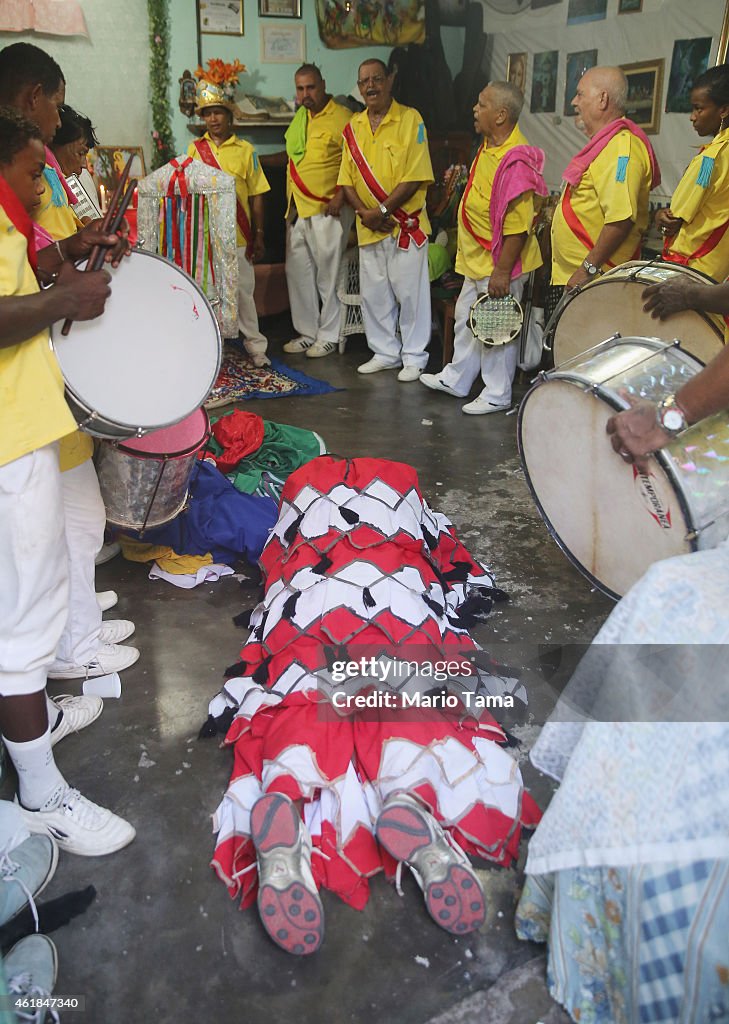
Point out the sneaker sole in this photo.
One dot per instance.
(456, 902)
(294, 916)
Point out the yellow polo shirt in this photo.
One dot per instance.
(472, 260)
(33, 412)
(397, 151)
(319, 167)
(238, 158)
(614, 188)
(701, 200)
(59, 221)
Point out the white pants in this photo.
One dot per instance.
(497, 364)
(33, 570)
(255, 342)
(389, 277)
(314, 247)
(85, 518)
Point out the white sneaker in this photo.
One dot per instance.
(299, 344)
(106, 599)
(377, 363)
(107, 552)
(409, 373)
(114, 631)
(433, 381)
(109, 658)
(481, 407)
(321, 348)
(80, 826)
(78, 712)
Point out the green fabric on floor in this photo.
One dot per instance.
(283, 450)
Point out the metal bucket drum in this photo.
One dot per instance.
(149, 360)
(144, 480)
(614, 302)
(610, 520)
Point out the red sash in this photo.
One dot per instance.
(208, 157)
(704, 249)
(299, 182)
(578, 229)
(483, 242)
(409, 222)
(19, 218)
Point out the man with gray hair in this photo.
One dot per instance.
(603, 211)
(497, 248)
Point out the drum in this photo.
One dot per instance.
(609, 519)
(613, 302)
(149, 360)
(144, 480)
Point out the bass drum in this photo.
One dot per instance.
(149, 360)
(609, 519)
(613, 303)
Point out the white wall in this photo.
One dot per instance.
(107, 75)
(620, 39)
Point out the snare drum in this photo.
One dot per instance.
(149, 360)
(613, 302)
(144, 480)
(610, 520)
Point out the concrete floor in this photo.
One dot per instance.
(163, 942)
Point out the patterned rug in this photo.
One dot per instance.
(239, 379)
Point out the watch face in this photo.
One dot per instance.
(673, 419)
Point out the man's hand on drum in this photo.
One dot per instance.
(78, 246)
(635, 434)
(83, 295)
(666, 223)
(662, 300)
(499, 283)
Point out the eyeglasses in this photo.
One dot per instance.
(374, 79)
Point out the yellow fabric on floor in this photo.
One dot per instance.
(167, 559)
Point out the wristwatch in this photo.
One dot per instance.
(590, 268)
(384, 211)
(670, 416)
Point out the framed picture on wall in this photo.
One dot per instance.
(645, 93)
(108, 163)
(629, 6)
(516, 70)
(282, 44)
(579, 11)
(690, 59)
(220, 17)
(577, 64)
(279, 8)
(544, 82)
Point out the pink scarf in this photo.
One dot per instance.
(519, 171)
(579, 163)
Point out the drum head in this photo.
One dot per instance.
(153, 355)
(611, 521)
(614, 304)
(186, 436)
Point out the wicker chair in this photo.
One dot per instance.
(351, 321)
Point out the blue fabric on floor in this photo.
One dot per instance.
(309, 385)
(220, 519)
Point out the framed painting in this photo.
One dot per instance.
(690, 59)
(544, 82)
(577, 64)
(282, 44)
(516, 70)
(108, 162)
(580, 11)
(279, 8)
(220, 17)
(630, 6)
(645, 92)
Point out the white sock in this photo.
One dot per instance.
(40, 784)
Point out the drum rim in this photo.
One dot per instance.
(169, 456)
(665, 461)
(135, 430)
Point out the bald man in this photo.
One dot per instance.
(603, 211)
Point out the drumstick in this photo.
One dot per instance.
(109, 218)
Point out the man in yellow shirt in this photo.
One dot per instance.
(317, 218)
(385, 173)
(221, 147)
(497, 248)
(33, 417)
(695, 224)
(603, 211)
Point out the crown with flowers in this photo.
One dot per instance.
(216, 84)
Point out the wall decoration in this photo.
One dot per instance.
(690, 59)
(159, 83)
(516, 70)
(645, 92)
(629, 6)
(577, 64)
(282, 44)
(544, 82)
(279, 8)
(580, 11)
(108, 163)
(393, 23)
(61, 18)
(220, 17)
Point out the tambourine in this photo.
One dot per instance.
(495, 321)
